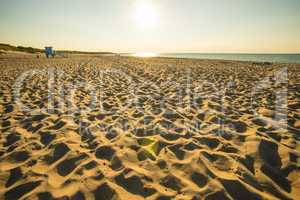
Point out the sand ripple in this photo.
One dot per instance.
(156, 128)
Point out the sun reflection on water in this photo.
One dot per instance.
(145, 54)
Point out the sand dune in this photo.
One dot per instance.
(148, 128)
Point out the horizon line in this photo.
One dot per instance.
(151, 51)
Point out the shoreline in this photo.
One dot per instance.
(206, 56)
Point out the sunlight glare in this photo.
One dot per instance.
(145, 54)
(145, 14)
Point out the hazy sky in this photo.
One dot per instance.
(264, 26)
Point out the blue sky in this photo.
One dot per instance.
(244, 26)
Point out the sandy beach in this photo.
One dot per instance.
(111, 127)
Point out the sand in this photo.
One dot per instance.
(148, 128)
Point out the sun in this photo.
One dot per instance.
(145, 13)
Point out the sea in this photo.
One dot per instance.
(275, 58)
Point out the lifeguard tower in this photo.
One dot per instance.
(49, 52)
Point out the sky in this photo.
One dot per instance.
(169, 26)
